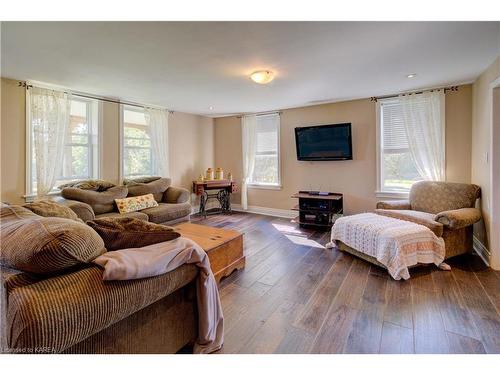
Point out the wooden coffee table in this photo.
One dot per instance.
(223, 246)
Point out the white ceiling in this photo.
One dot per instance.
(192, 66)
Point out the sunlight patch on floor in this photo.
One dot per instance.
(298, 240)
(288, 229)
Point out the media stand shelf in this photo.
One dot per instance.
(318, 211)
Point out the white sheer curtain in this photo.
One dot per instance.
(157, 120)
(425, 129)
(50, 111)
(248, 139)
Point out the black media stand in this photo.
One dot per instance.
(319, 211)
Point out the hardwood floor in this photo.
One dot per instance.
(294, 296)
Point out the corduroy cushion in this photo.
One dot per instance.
(157, 188)
(101, 202)
(48, 208)
(32, 243)
(135, 215)
(125, 233)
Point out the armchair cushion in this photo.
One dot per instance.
(422, 218)
(48, 208)
(176, 195)
(455, 219)
(394, 205)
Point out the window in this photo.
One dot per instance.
(80, 159)
(137, 150)
(81, 147)
(266, 170)
(410, 142)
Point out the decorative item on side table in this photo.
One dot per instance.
(224, 189)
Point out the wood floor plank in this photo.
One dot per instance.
(456, 317)
(271, 334)
(340, 317)
(399, 307)
(429, 332)
(317, 307)
(483, 312)
(396, 339)
(491, 284)
(465, 345)
(367, 327)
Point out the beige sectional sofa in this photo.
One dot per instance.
(173, 202)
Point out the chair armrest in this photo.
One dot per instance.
(394, 205)
(456, 219)
(82, 210)
(176, 195)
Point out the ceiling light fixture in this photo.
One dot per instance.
(262, 76)
(412, 75)
(211, 108)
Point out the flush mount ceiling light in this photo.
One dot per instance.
(412, 75)
(262, 76)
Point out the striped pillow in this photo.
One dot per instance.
(126, 232)
(41, 245)
(138, 203)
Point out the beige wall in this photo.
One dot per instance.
(480, 158)
(191, 143)
(356, 179)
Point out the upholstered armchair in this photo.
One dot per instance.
(446, 208)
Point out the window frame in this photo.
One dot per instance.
(380, 192)
(94, 118)
(123, 108)
(270, 186)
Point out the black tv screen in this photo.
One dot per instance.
(324, 142)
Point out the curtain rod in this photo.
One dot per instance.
(88, 96)
(261, 114)
(445, 89)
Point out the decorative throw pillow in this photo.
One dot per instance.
(133, 204)
(48, 208)
(127, 232)
(41, 245)
(95, 185)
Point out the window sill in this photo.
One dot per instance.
(28, 198)
(392, 194)
(264, 187)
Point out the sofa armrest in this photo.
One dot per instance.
(456, 219)
(394, 205)
(82, 210)
(176, 195)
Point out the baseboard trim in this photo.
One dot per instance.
(276, 212)
(481, 250)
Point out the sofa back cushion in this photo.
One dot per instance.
(435, 197)
(41, 245)
(101, 202)
(96, 185)
(157, 188)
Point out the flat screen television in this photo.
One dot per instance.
(324, 142)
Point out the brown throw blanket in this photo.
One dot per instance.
(153, 260)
